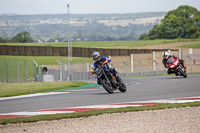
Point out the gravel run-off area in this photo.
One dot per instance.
(175, 120)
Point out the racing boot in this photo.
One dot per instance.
(116, 75)
(182, 63)
(113, 82)
(176, 74)
(98, 82)
(118, 78)
(169, 71)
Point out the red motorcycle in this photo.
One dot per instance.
(176, 67)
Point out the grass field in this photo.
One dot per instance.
(41, 60)
(45, 60)
(16, 89)
(110, 44)
(192, 46)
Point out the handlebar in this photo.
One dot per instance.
(101, 65)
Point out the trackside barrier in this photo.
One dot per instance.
(191, 62)
(127, 66)
(17, 71)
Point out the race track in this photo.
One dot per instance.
(139, 89)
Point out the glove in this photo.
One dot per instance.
(92, 72)
(104, 63)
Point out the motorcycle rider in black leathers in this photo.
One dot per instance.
(166, 56)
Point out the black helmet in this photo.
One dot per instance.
(95, 55)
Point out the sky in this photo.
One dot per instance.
(29, 7)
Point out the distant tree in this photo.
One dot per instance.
(51, 40)
(183, 22)
(144, 37)
(131, 36)
(111, 38)
(123, 38)
(23, 37)
(2, 40)
(93, 38)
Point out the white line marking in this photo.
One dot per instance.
(37, 113)
(33, 95)
(57, 92)
(113, 105)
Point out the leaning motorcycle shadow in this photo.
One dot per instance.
(178, 77)
(104, 93)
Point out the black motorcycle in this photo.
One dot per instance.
(109, 84)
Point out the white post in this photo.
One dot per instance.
(154, 58)
(88, 67)
(60, 69)
(65, 66)
(132, 63)
(169, 51)
(109, 64)
(180, 53)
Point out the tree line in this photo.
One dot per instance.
(183, 22)
(22, 37)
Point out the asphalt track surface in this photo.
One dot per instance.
(141, 89)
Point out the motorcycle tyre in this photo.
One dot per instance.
(122, 87)
(108, 88)
(182, 73)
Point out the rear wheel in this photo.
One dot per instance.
(182, 73)
(107, 86)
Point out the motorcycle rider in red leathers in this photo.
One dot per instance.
(166, 56)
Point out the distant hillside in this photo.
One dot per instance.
(83, 27)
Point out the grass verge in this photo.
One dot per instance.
(94, 113)
(16, 89)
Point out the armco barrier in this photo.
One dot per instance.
(63, 51)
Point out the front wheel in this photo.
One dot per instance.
(182, 73)
(107, 86)
(122, 87)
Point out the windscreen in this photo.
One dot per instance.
(98, 70)
(170, 60)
